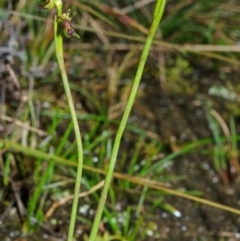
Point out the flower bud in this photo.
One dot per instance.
(46, 4)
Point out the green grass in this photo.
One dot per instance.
(101, 66)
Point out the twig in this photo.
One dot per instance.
(64, 200)
(23, 125)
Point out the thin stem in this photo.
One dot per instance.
(156, 19)
(59, 53)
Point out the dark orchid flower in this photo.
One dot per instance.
(67, 28)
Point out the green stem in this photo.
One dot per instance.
(59, 53)
(156, 19)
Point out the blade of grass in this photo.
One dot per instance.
(158, 11)
(234, 144)
(13, 146)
